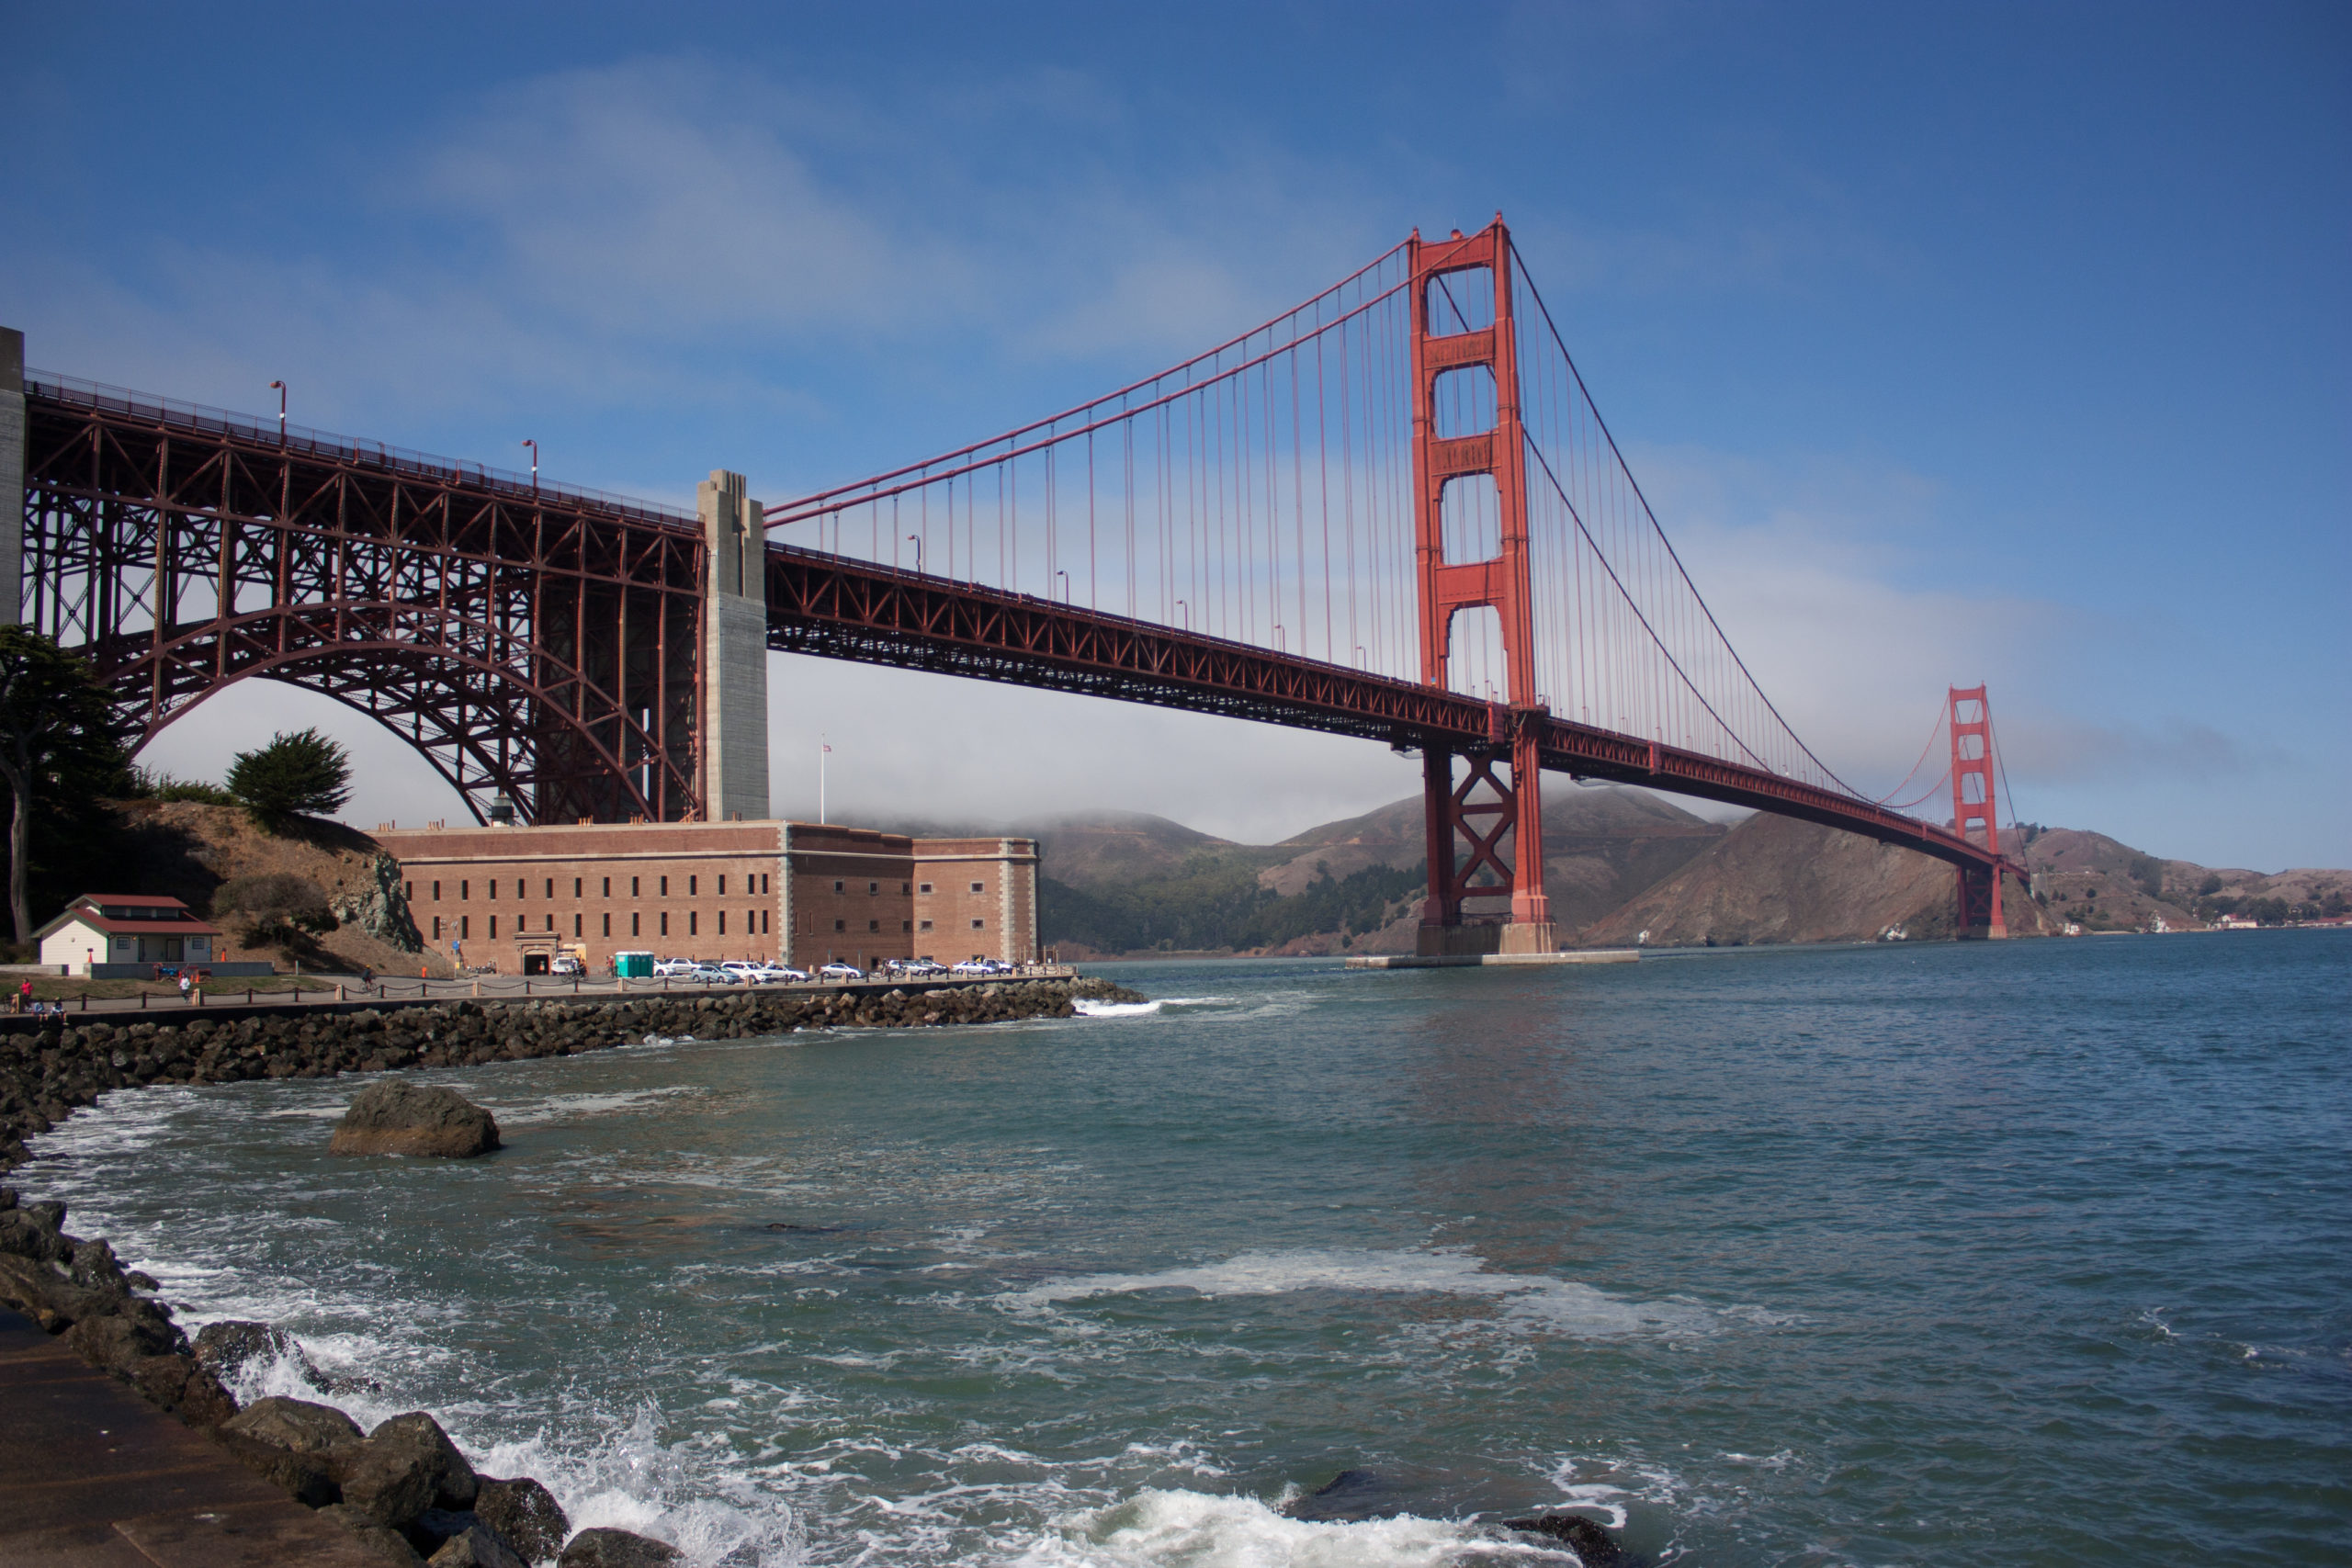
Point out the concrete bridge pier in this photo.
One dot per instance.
(733, 741)
(12, 475)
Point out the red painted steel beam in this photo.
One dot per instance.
(837, 607)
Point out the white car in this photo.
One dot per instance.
(973, 966)
(673, 965)
(919, 968)
(712, 975)
(566, 965)
(765, 973)
(840, 972)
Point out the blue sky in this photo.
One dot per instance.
(1988, 343)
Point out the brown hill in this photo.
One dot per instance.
(193, 852)
(1775, 879)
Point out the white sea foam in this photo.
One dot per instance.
(1086, 1007)
(1529, 1302)
(1199, 1530)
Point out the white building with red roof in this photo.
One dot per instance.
(98, 929)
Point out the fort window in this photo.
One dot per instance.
(665, 922)
(694, 923)
(979, 888)
(873, 925)
(437, 893)
(906, 925)
(905, 887)
(841, 925)
(575, 888)
(576, 884)
(494, 890)
(493, 928)
(926, 887)
(665, 887)
(408, 891)
(608, 887)
(632, 886)
(691, 888)
(465, 928)
(436, 928)
(926, 925)
(840, 886)
(978, 924)
(634, 930)
(608, 925)
(465, 891)
(550, 925)
(722, 885)
(764, 882)
(722, 922)
(873, 888)
(577, 926)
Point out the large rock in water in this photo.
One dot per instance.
(602, 1548)
(393, 1116)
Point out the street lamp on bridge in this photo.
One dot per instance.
(535, 465)
(281, 386)
(916, 541)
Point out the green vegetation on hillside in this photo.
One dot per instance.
(302, 774)
(1215, 902)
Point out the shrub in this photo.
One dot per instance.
(274, 907)
(142, 784)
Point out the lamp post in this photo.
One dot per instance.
(1064, 577)
(281, 386)
(1186, 611)
(534, 466)
(917, 542)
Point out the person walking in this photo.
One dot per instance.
(186, 984)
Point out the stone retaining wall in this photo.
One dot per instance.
(51, 1065)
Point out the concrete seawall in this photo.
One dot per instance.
(50, 1063)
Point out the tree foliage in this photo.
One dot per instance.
(59, 753)
(300, 774)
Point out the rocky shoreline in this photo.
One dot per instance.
(404, 1490)
(51, 1063)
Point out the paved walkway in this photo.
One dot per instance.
(390, 991)
(93, 1476)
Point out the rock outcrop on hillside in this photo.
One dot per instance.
(191, 851)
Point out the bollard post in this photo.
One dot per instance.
(339, 993)
(143, 1001)
(197, 996)
(476, 987)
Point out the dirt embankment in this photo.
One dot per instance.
(193, 852)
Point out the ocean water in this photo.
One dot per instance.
(2027, 1253)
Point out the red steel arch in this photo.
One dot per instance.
(532, 643)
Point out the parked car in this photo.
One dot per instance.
(712, 975)
(564, 963)
(840, 972)
(672, 965)
(755, 972)
(971, 967)
(781, 974)
(917, 968)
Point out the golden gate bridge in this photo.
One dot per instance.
(1393, 512)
